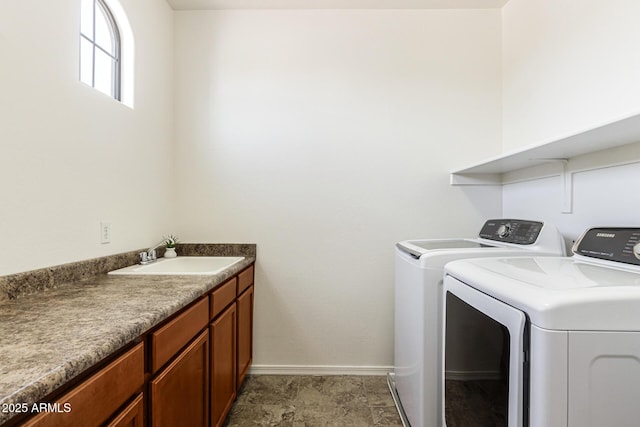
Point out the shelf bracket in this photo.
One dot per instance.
(567, 185)
(566, 180)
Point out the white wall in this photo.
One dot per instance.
(568, 66)
(70, 156)
(325, 137)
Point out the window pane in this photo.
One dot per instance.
(99, 48)
(104, 37)
(104, 73)
(86, 61)
(86, 18)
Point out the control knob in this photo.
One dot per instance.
(636, 250)
(504, 230)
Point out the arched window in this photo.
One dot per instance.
(100, 60)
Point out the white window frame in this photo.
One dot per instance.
(115, 56)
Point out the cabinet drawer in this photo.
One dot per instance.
(245, 279)
(222, 297)
(94, 401)
(169, 339)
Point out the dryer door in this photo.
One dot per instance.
(488, 392)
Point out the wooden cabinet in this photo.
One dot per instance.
(223, 364)
(98, 398)
(179, 395)
(245, 333)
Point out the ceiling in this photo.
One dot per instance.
(335, 4)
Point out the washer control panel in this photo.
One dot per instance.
(613, 244)
(516, 231)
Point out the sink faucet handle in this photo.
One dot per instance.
(152, 254)
(143, 257)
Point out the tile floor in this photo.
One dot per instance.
(300, 401)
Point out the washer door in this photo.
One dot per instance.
(489, 392)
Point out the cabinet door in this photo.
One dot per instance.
(223, 365)
(180, 393)
(131, 416)
(245, 333)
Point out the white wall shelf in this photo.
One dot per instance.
(560, 150)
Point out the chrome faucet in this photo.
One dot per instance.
(150, 255)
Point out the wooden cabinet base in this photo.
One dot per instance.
(195, 362)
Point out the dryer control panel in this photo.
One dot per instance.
(613, 244)
(518, 231)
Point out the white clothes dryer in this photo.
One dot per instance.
(569, 329)
(419, 272)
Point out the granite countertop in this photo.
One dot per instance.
(52, 336)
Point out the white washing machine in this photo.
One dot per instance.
(569, 330)
(418, 305)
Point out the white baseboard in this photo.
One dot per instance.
(360, 370)
(472, 375)
(319, 370)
